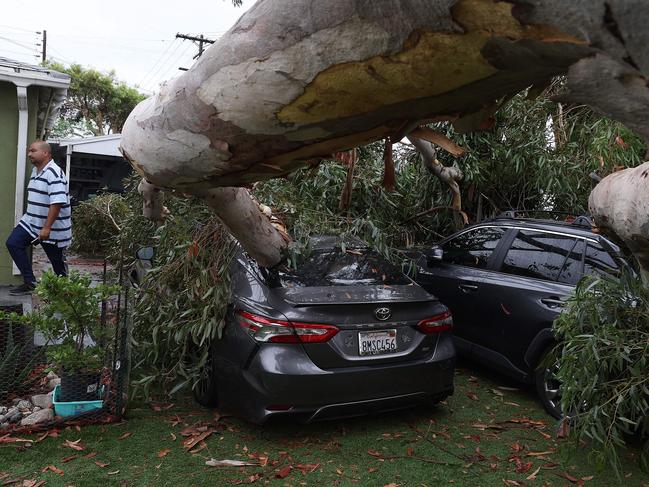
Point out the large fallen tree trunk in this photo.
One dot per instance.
(619, 205)
(295, 80)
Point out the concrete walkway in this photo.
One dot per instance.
(94, 266)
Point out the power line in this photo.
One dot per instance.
(19, 44)
(174, 63)
(19, 28)
(19, 53)
(153, 71)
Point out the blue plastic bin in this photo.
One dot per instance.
(66, 409)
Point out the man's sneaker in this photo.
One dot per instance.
(23, 289)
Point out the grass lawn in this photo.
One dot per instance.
(486, 434)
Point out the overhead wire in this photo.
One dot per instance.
(19, 44)
(174, 64)
(157, 63)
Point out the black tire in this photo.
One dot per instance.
(548, 388)
(205, 391)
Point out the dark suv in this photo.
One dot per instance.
(505, 281)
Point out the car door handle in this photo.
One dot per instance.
(553, 302)
(467, 288)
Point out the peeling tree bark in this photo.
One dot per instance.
(619, 205)
(296, 80)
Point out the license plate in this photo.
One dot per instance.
(377, 342)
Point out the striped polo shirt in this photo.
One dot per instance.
(45, 188)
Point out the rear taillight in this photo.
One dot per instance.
(264, 329)
(436, 324)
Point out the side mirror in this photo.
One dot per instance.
(145, 253)
(434, 256)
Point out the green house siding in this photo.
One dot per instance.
(8, 147)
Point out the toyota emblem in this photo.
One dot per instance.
(382, 314)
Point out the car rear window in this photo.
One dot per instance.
(338, 268)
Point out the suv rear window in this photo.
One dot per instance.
(333, 267)
(542, 255)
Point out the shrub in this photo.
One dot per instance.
(604, 364)
(96, 223)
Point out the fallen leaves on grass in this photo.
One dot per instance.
(569, 477)
(212, 462)
(517, 447)
(306, 468)
(75, 445)
(69, 459)
(52, 468)
(161, 407)
(196, 434)
(539, 453)
(533, 475)
(125, 435)
(163, 453)
(90, 455)
(32, 483)
(285, 472)
(472, 395)
(11, 439)
(564, 429)
(101, 464)
(112, 473)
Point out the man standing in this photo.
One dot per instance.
(47, 220)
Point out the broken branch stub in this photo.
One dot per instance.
(152, 199)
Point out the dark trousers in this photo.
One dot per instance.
(18, 243)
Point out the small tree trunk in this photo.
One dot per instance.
(242, 216)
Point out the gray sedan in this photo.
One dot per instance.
(345, 334)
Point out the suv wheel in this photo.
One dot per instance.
(205, 390)
(548, 386)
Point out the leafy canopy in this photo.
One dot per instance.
(97, 103)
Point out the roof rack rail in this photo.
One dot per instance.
(580, 220)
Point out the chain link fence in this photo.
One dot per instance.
(50, 379)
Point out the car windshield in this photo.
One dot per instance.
(335, 267)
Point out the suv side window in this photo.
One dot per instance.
(599, 262)
(473, 248)
(542, 255)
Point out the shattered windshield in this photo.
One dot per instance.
(334, 267)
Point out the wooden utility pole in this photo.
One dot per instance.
(200, 40)
(44, 45)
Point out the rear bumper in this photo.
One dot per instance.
(282, 380)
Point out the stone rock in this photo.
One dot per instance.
(3, 410)
(15, 401)
(24, 404)
(42, 416)
(51, 375)
(43, 401)
(4, 426)
(36, 409)
(13, 416)
(53, 383)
